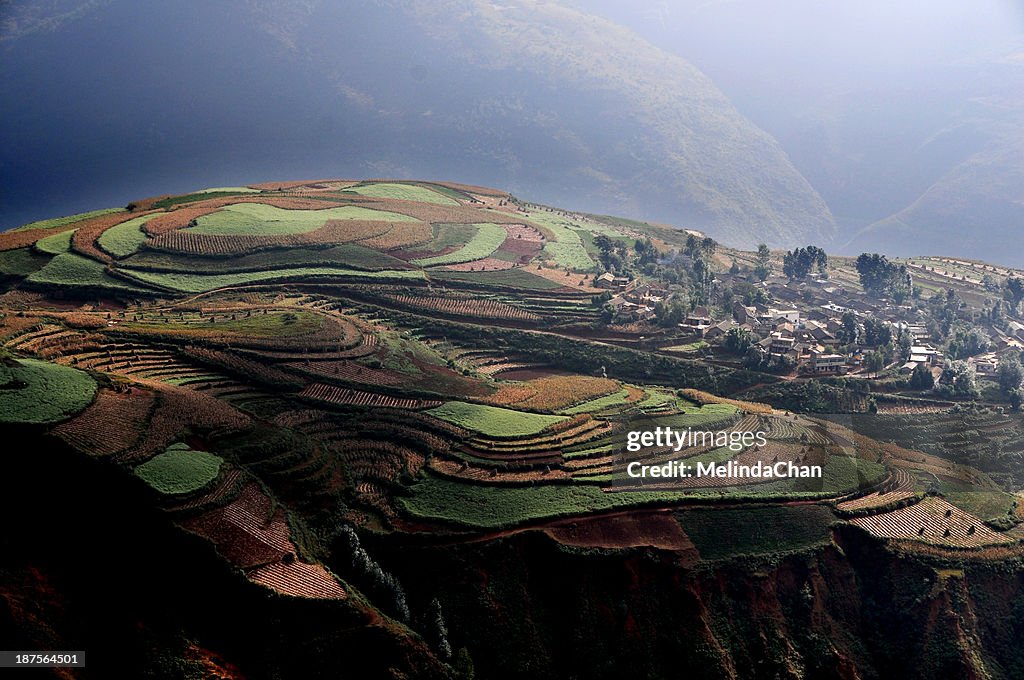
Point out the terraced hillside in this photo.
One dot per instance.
(290, 370)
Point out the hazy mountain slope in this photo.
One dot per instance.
(900, 114)
(547, 101)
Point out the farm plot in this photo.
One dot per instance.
(486, 239)
(56, 222)
(493, 421)
(111, 424)
(349, 397)
(298, 579)
(179, 470)
(70, 270)
(121, 240)
(932, 520)
(721, 533)
(551, 394)
(55, 244)
(202, 283)
(346, 255)
(38, 392)
(401, 192)
(260, 219)
(249, 531)
(480, 308)
(567, 248)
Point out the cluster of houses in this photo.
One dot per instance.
(808, 335)
(635, 301)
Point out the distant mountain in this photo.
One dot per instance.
(122, 99)
(907, 118)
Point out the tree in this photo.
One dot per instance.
(881, 277)
(921, 378)
(737, 341)
(874, 361)
(1011, 374)
(960, 379)
(849, 332)
(799, 263)
(1014, 290)
(763, 268)
(877, 333)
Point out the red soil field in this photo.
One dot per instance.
(656, 529)
(111, 424)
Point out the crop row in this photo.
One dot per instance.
(338, 395)
(466, 307)
(932, 520)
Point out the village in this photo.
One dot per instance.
(804, 328)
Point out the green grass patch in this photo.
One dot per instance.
(267, 220)
(73, 270)
(492, 420)
(38, 392)
(180, 470)
(986, 503)
(721, 533)
(56, 222)
(567, 249)
(599, 404)
(123, 239)
(401, 192)
(56, 244)
(201, 283)
(689, 347)
(482, 506)
(505, 278)
(484, 241)
(21, 262)
(279, 325)
(346, 255)
(197, 196)
(228, 190)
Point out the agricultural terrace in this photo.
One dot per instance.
(402, 192)
(38, 392)
(493, 421)
(259, 219)
(57, 222)
(202, 283)
(56, 244)
(76, 271)
(567, 249)
(125, 238)
(485, 239)
(180, 470)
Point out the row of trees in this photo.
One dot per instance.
(880, 277)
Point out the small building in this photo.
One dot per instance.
(828, 363)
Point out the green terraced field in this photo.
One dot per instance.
(267, 220)
(721, 533)
(72, 270)
(402, 192)
(201, 283)
(485, 241)
(21, 262)
(38, 392)
(56, 222)
(567, 249)
(180, 470)
(123, 239)
(599, 404)
(56, 244)
(492, 420)
(347, 255)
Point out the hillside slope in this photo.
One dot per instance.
(545, 100)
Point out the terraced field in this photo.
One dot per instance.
(272, 364)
